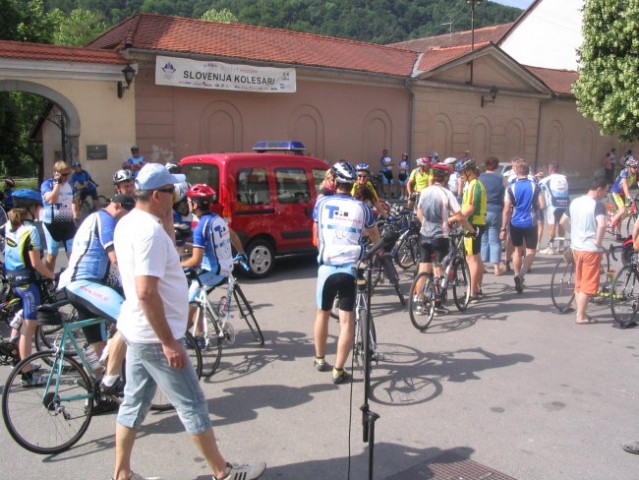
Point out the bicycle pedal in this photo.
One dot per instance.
(377, 357)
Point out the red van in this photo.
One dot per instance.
(267, 198)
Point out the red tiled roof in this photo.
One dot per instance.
(58, 53)
(246, 42)
(559, 81)
(482, 35)
(436, 57)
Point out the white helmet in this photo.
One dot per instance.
(450, 161)
(180, 190)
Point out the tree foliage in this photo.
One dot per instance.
(77, 27)
(607, 89)
(224, 15)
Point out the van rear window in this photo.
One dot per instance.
(202, 173)
(292, 185)
(252, 187)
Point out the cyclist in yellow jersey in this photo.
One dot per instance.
(364, 190)
(418, 180)
(620, 191)
(473, 207)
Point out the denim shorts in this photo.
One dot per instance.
(146, 370)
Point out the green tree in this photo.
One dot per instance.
(607, 89)
(76, 28)
(224, 15)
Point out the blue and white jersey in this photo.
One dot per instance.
(60, 212)
(555, 188)
(18, 244)
(89, 259)
(341, 221)
(524, 197)
(213, 235)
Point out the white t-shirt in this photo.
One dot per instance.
(144, 249)
(583, 214)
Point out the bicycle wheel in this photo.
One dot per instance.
(160, 402)
(51, 418)
(246, 312)
(407, 254)
(461, 283)
(421, 303)
(211, 347)
(562, 283)
(624, 296)
(628, 224)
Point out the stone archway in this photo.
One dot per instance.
(71, 117)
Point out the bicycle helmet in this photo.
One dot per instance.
(363, 166)
(450, 161)
(172, 167)
(23, 197)
(9, 182)
(423, 162)
(631, 162)
(181, 190)
(76, 164)
(434, 156)
(344, 172)
(441, 170)
(467, 164)
(201, 194)
(121, 176)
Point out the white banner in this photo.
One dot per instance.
(181, 72)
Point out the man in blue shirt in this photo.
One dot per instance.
(522, 205)
(82, 183)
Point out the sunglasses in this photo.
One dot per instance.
(64, 174)
(362, 176)
(165, 190)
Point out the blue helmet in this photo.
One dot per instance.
(344, 172)
(23, 197)
(363, 166)
(466, 164)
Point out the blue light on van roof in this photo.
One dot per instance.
(279, 145)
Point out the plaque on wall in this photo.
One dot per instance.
(96, 152)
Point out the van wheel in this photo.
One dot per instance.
(261, 258)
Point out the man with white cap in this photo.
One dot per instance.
(153, 321)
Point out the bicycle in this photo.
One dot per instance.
(212, 329)
(562, 283)
(429, 292)
(627, 222)
(52, 418)
(624, 294)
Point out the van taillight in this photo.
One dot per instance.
(225, 201)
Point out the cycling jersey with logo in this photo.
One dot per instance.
(631, 178)
(341, 221)
(213, 235)
(524, 196)
(475, 194)
(420, 178)
(555, 187)
(89, 258)
(18, 243)
(61, 210)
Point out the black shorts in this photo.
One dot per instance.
(342, 285)
(473, 245)
(520, 235)
(433, 249)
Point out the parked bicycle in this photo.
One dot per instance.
(212, 329)
(562, 283)
(52, 418)
(429, 292)
(624, 295)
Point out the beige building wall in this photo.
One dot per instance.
(335, 116)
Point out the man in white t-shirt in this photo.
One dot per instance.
(555, 189)
(153, 322)
(587, 218)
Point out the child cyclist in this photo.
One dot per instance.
(620, 191)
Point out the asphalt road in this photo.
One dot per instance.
(508, 384)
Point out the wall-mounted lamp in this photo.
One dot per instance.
(493, 94)
(129, 74)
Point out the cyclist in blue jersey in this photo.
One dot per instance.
(22, 263)
(522, 204)
(82, 183)
(620, 191)
(92, 282)
(212, 242)
(342, 222)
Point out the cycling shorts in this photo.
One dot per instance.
(554, 214)
(619, 199)
(433, 249)
(335, 281)
(208, 279)
(30, 295)
(519, 235)
(472, 246)
(92, 299)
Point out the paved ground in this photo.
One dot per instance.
(508, 385)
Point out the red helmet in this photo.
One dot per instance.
(442, 166)
(201, 191)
